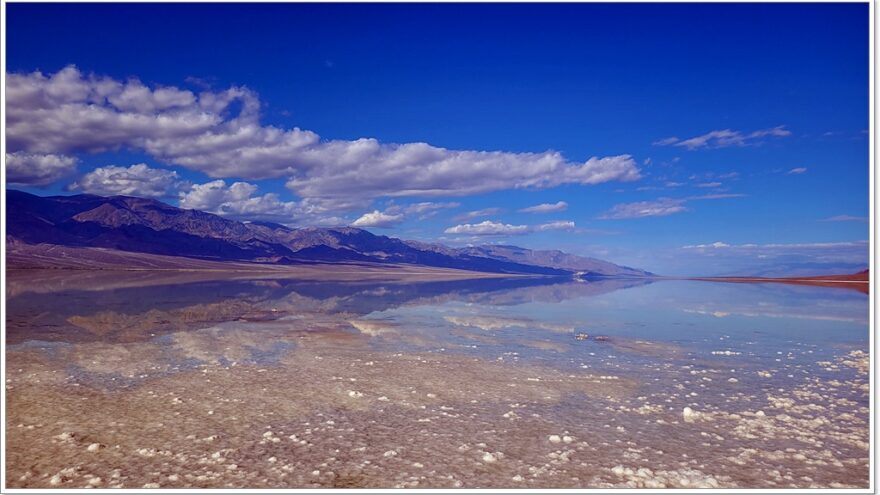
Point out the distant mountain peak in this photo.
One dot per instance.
(129, 223)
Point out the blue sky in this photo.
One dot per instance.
(768, 105)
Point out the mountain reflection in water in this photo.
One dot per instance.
(187, 380)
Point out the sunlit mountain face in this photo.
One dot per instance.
(138, 225)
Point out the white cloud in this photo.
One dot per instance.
(546, 207)
(797, 171)
(781, 259)
(844, 218)
(558, 225)
(724, 138)
(424, 210)
(396, 214)
(238, 201)
(715, 245)
(657, 208)
(429, 206)
(377, 218)
(136, 180)
(37, 169)
(485, 212)
(709, 184)
(219, 133)
(489, 227)
(805, 245)
(419, 169)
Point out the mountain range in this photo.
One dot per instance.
(139, 225)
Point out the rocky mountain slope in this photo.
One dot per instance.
(148, 226)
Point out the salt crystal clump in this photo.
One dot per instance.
(689, 415)
(65, 436)
(684, 478)
(488, 457)
(726, 353)
(94, 447)
(554, 438)
(355, 394)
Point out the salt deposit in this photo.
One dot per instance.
(400, 396)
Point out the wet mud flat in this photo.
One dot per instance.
(319, 393)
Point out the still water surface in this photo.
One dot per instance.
(118, 380)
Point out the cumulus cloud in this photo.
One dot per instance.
(489, 227)
(136, 180)
(546, 207)
(219, 133)
(797, 171)
(657, 208)
(724, 138)
(395, 214)
(379, 219)
(238, 201)
(37, 169)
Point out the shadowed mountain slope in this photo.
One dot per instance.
(141, 225)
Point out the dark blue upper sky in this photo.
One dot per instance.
(582, 79)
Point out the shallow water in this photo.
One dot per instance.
(528, 383)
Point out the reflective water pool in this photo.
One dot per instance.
(118, 380)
